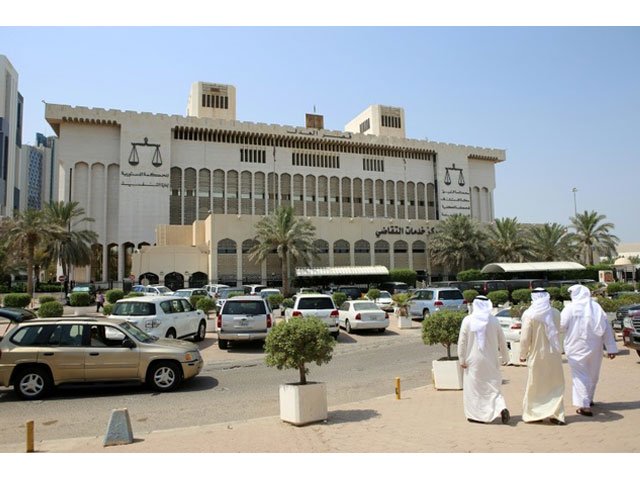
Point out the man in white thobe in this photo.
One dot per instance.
(540, 348)
(587, 331)
(481, 344)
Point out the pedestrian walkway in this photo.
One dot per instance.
(423, 420)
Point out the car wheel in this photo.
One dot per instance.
(348, 326)
(171, 333)
(425, 314)
(223, 344)
(202, 331)
(164, 376)
(381, 330)
(33, 383)
(335, 334)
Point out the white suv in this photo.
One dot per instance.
(162, 316)
(152, 290)
(318, 305)
(243, 318)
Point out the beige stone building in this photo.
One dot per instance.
(175, 198)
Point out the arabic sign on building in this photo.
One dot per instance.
(455, 198)
(396, 230)
(145, 179)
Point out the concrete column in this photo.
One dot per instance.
(121, 255)
(105, 262)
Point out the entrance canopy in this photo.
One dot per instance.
(341, 271)
(531, 267)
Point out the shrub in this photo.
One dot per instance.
(564, 293)
(498, 297)
(79, 299)
(554, 293)
(619, 287)
(107, 309)
(467, 275)
(558, 305)
(470, 294)
(442, 327)
(339, 298)
(517, 310)
(18, 300)
(405, 275)
(114, 295)
(46, 298)
(608, 304)
(288, 303)
(50, 309)
(275, 300)
(373, 294)
(134, 294)
(206, 304)
(521, 295)
(194, 299)
(299, 341)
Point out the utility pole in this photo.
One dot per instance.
(575, 204)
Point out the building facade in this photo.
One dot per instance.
(199, 183)
(11, 107)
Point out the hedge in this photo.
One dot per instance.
(114, 295)
(50, 309)
(470, 295)
(521, 295)
(46, 298)
(17, 300)
(339, 298)
(206, 304)
(498, 297)
(107, 309)
(80, 299)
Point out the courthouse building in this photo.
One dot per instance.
(175, 198)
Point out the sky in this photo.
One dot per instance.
(562, 101)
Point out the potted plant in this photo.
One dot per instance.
(294, 344)
(402, 309)
(443, 327)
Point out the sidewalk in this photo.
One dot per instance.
(424, 420)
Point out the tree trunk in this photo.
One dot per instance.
(30, 254)
(303, 376)
(285, 275)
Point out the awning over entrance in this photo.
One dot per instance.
(531, 267)
(341, 271)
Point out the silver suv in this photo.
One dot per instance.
(171, 316)
(38, 355)
(426, 301)
(244, 318)
(316, 304)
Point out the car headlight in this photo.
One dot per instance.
(627, 323)
(190, 356)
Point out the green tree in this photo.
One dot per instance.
(551, 242)
(24, 233)
(73, 247)
(289, 236)
(457, 243)
(592, 235)
(508, 241)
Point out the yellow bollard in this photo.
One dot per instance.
(397, 388)
(30, 448)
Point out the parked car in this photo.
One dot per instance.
(394, 287)
(631, 330)
(362, 315)
(483, 287)
(84, 288)
(150, 290)
(190, 292)
(351, 291)
(243, 319)
(228, 292)
(426, 301)
(162, 316)
(621, 313)
(518, 283)
(40, 354)
(214, 288)
(315, 304)
(254, 289)
(384, 301)
(511, 326)
(267, 292)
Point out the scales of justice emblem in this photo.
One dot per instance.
(447, 176)
(134, 159)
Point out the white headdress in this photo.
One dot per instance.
(541, 308)
(589, 310)
(479, 318)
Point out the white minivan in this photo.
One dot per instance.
(162, 316)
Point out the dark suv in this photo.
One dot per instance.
(631, 329)
(352, 292)
(625, 311)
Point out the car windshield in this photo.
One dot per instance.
(244, 307)
(317, 303)
(384, 295)
(164, 290)
(359, 307)
(451, 295)
(134, 309)
(183, 293)
(137, 333)
(229, 292)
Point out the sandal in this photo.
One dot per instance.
(586, 413)
(555, 421)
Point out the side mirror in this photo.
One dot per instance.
(128, 343)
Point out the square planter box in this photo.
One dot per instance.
(404, 322)
(303, 404)
(447, 375)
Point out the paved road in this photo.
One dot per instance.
(234, 385)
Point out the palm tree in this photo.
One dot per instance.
(508, 241)
(592, 236)
(25, 232)
(551, 242)
(73, 247)
(291, 237)
(457, 242)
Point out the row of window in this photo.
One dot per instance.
(228, 246)
(327, 145)
(316, 160)
(253, 156)
(366, 125)
(391, 121)
(215, 101)
(373, 164)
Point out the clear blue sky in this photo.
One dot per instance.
(563, 102)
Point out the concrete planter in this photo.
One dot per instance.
(447, 375)
(303, 404)
(404, 322)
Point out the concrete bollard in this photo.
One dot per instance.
(119, 431)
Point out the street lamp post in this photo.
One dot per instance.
(575, 204)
